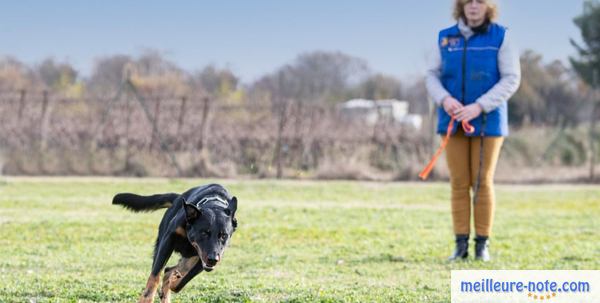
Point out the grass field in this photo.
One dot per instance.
(62, 241)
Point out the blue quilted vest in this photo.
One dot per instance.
(469, 69)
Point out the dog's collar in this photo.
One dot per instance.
(210, 200)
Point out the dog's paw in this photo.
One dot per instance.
(174, 278)
(146, 299)
(165, 296)
(176, 275)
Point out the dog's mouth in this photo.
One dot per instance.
(206, 266)
(204, 259)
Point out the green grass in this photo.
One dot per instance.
(62, 241)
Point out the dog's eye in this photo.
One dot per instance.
(205, 233)
(223, 236)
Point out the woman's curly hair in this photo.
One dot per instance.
(459, 12)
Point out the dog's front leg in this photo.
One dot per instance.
(163, 253)
(176, 287)
(173, 275)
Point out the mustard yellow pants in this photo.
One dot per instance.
(462, 156)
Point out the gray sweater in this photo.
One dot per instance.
(508, 64)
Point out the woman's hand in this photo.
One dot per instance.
(451, 105)
(468, 113)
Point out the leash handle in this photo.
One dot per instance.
(468, 128)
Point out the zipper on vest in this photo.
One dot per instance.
(464, 70)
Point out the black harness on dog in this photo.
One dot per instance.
(210, 195)
(212, 200)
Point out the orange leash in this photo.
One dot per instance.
(468, 128)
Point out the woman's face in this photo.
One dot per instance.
(475, 11)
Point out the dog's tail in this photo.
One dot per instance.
(139, 203)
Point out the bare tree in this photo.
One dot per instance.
(108, 74)
(316, 77)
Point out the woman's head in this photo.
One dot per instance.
(475, 11)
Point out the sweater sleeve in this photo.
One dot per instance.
(510, 77)
(435, 89)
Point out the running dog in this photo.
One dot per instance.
(198, 224)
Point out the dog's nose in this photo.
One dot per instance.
(213, 259)
(211, 262)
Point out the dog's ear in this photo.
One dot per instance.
(191, 212)
(230, 211)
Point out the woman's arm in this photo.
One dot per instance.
(435, 89)
(510, 77)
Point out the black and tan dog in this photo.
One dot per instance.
(197, 224)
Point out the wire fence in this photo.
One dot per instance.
(132, 133)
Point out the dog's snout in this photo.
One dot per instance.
(213, 259)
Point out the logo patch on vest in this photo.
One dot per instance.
(450, 41)
(454, 42)
(444, 42)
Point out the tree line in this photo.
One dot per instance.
(550, 93)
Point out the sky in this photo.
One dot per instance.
(255, 37)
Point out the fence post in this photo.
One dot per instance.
(157, 121)
(44, 105)
(205, 110)
(43, 122)
(21, 104)
(162, 143)
(127, 129)
(181, 114)
(279, 143)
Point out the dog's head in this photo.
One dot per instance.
(209, 230)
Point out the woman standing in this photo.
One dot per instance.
(474, 73)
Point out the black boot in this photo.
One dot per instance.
(462, 248)
(482, 252)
